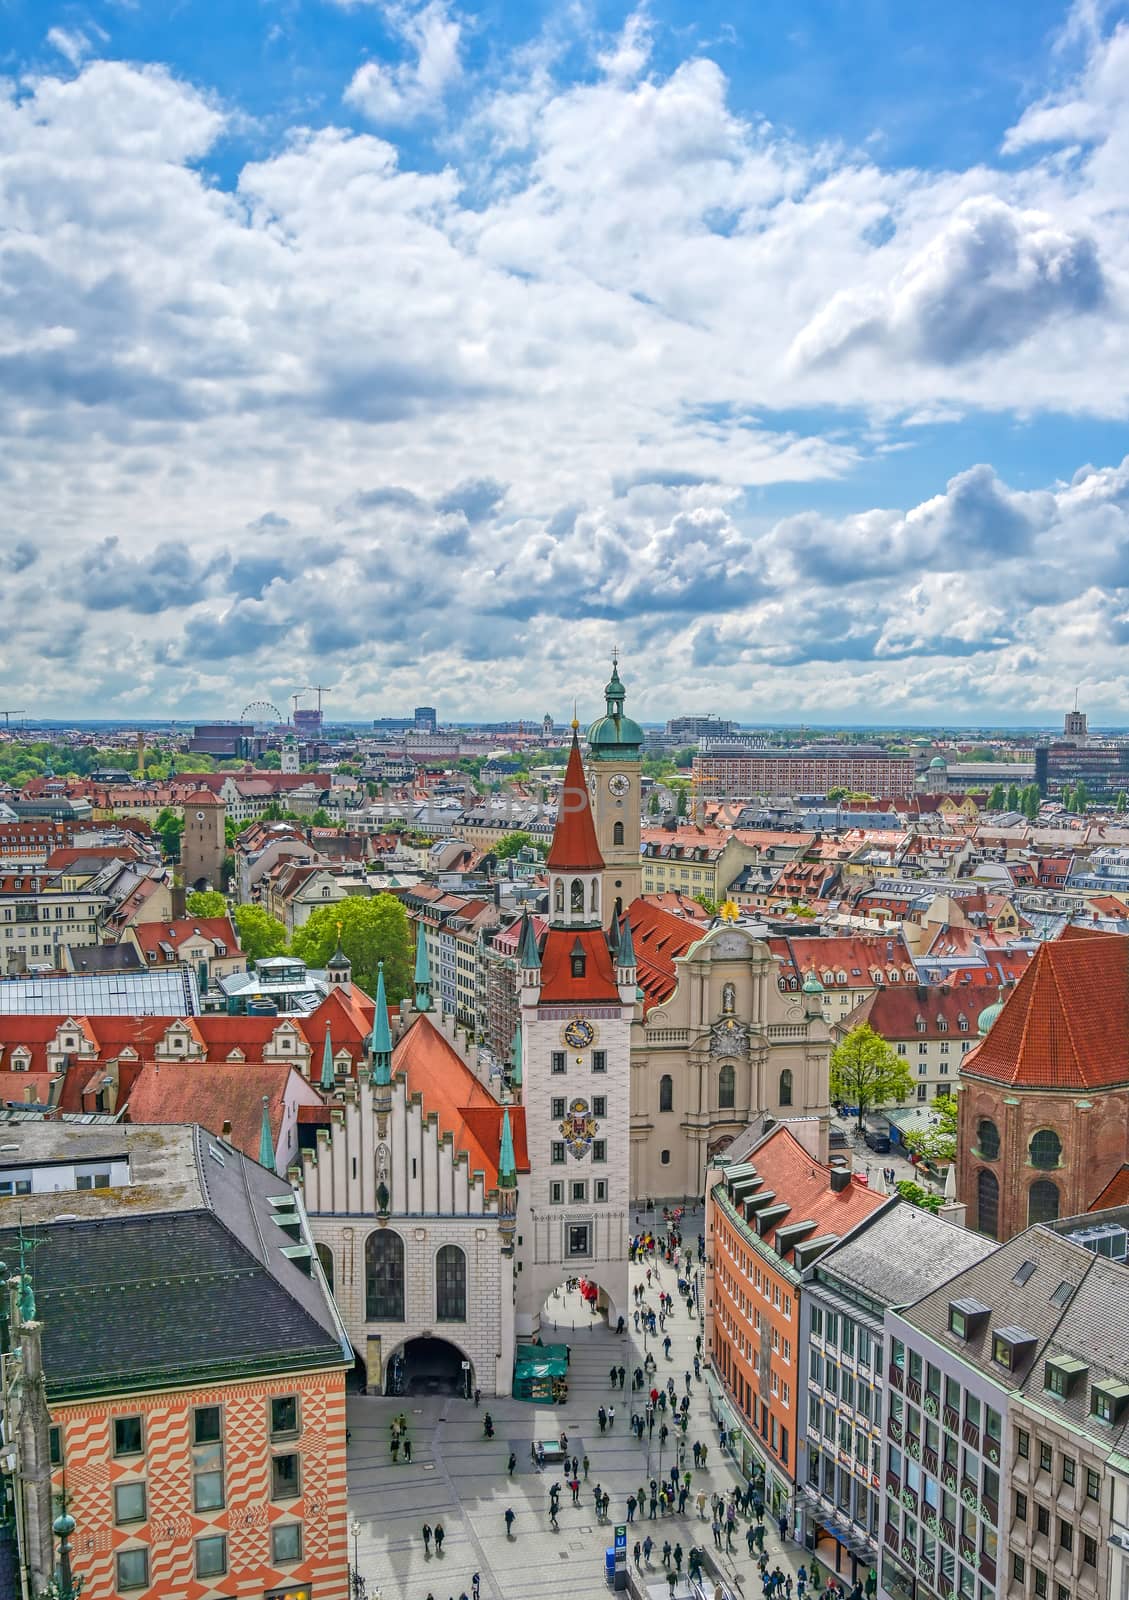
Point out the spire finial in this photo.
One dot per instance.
(266, 1142)
(615, 656)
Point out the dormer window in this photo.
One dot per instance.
(578, 960)
(1061, 1373)
(1011, 1346)
(967, 1318)
(894, 975)
(1108, 1400)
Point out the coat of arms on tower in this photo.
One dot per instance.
(729, 1038)
(579, 1128)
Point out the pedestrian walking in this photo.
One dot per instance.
(678, 1559)
(782, 1524)
(666, 1553)
(666, 1347)
(611, 1416)
(408, 1451)
(648, 1546)
(631, 1508)
(475, 1586)
(574, 1485)
(427, 1538)
(716, 1533)
(509, 1523)
(697, 1453)
(439, 1537)
(511, 1464)
(477, 1398)
(395, 1447)
(586, 1469)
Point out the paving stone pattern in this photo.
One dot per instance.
(458, 1478)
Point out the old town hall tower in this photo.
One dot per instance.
(577, 998)
(615, 746)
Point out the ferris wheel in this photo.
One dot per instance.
(261, 714)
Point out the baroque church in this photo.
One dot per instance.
(717, 1037)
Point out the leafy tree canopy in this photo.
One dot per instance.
(206, 903)
(923, 1199)
(512, 844)
(866, 1071)
(373, 929)
(260, 934)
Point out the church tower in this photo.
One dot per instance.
(615, 751)
(204, 842)
(577, 999)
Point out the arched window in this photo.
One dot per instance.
(576, 895)
(578, 961)
(726, 1088)
(558, 895)
(666, 1092)
(1042, 1201)
(785, 1096)
(450, 1284)
(384, 1276)
(617, 832)
(594, 896)
(325, 1256)
(988, 1139)
(988, 1203)
(1045, 1149)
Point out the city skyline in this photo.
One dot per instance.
(356, 343)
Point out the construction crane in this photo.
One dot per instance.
(8, 715)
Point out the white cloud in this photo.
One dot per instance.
(69, 42)
(414, 87)
(507, 409)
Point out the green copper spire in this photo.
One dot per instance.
(507, 1161)
(328, 1076)
(423, 974)
(266, 1143)
(515, 1058)
(625, 954)
(530, 957)
(381, 1053)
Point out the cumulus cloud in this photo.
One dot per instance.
(416, 86)
(989, 280)
(547, 382)
(69, 42)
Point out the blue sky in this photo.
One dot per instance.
(424, 349)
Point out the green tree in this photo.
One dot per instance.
(206, 903)
(915, 1195)
(169, 828)
(372, 930)
(996, 798)
(707, 905)
(512, 844)
(1081, 797)
(260, 934)
(1012, 797)
(866, 1071)
(654, 804)
(1120, 800)
(937, 1144)
(685, 757)
(322, 819)
(681, 806)
(835, 795)
(1030, 800)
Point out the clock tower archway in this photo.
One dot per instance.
(615, 753)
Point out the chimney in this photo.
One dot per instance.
(225, 1132)
(840, 1177)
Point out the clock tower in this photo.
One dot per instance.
(615, 749)
(577, 998)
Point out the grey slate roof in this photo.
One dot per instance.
(904, 1254)
(1094, 1329)
(178, 1276)
(1026, 1305)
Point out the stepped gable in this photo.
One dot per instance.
(1066, 1023)
(464, 1106)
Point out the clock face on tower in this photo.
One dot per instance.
(579, 1034)
(199, 816)
(619, 784)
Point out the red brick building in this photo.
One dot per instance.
(1044, 1097)
(768, 1217)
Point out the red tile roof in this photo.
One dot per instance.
(899, 1011)
(1115, 1193)
(575, 847)
(465, 1108)
(557, 982)
(152, 935)
(212, 1093)
(804, 1185)
(1066, 1024)
(659, 936)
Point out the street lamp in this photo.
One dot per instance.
(356, 1582)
